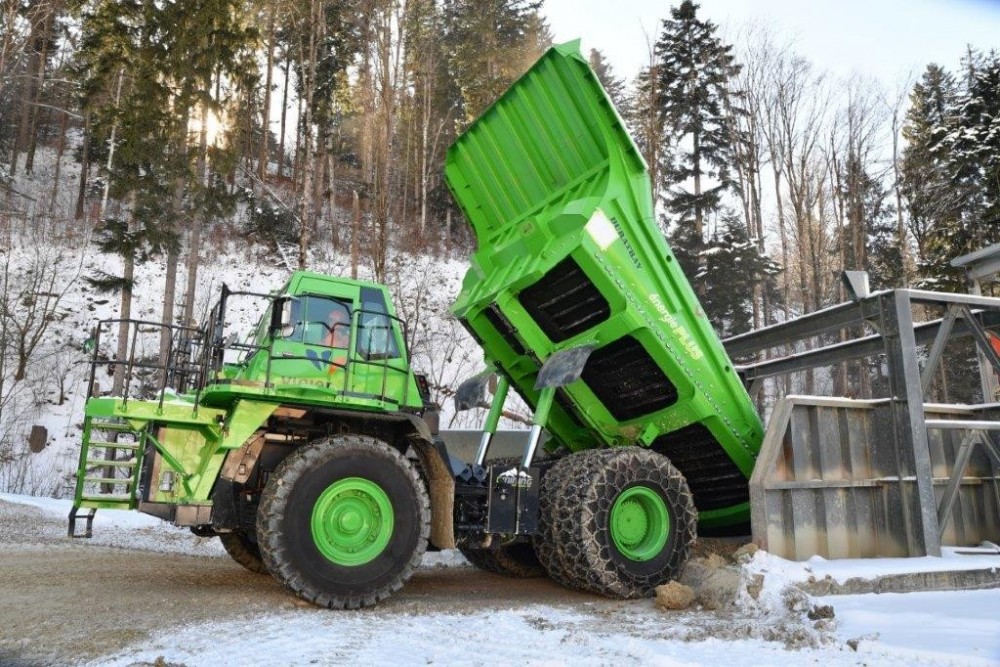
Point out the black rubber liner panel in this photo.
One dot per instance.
(565, 302)
(627, 380)
(714, 479)
(504, 328)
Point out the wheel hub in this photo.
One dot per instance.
(632, 523)
(352, 521)
(639, 523)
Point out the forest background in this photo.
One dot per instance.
(164, 132)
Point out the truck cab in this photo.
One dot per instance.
(322, 338)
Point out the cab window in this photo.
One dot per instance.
(320, 321)
(376, 337)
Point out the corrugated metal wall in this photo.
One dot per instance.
(831, 482)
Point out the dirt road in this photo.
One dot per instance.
(66, 601)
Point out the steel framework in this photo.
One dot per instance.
(888, 319)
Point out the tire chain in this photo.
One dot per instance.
(582, 537)
(552, 505)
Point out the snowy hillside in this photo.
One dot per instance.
(52, 393)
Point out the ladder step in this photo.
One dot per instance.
(114, 445)
(93, 463)
(107, 498)
(111, 426)
(107, 480)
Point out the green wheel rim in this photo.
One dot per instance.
(352, 521)
(639, 523)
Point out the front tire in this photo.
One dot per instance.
(344, 522)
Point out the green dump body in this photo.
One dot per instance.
(569, 254)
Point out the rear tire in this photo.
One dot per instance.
(244, 550)
(622, 523)
(344, 522)
(553, 503)
(516, 560)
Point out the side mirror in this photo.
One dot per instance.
(281, 316)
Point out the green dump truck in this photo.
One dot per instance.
(310, 447)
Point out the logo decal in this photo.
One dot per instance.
(515, 478)
(320, 361)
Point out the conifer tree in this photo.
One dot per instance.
(731, 262)
(962, 191)
(149, 71)
(490, 43)
(694, 69)
(931, 201)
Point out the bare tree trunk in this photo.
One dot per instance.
(387, 70)
(125, 311)
(169, 296)
(29, 158)
(265, 123)
(355, 227)
(284, 116)
(332, 197)
(308, 162)
(81, 195)
(197, 222)
(424, 176)
(297, 158)
(111, 144)
(61, 147)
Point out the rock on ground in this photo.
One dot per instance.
(674, 595)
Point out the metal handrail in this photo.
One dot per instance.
(196, 354)
(167, 366)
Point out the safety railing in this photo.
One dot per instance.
(196, 356)
(372, 344)
(142, 373)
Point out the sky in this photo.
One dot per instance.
(888, 39)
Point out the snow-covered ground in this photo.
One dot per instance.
(947, 628)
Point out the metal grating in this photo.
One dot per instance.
(565, 302)
(713, 478)
(627, 380)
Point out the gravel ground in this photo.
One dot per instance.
(135, 586)
(66, 601)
